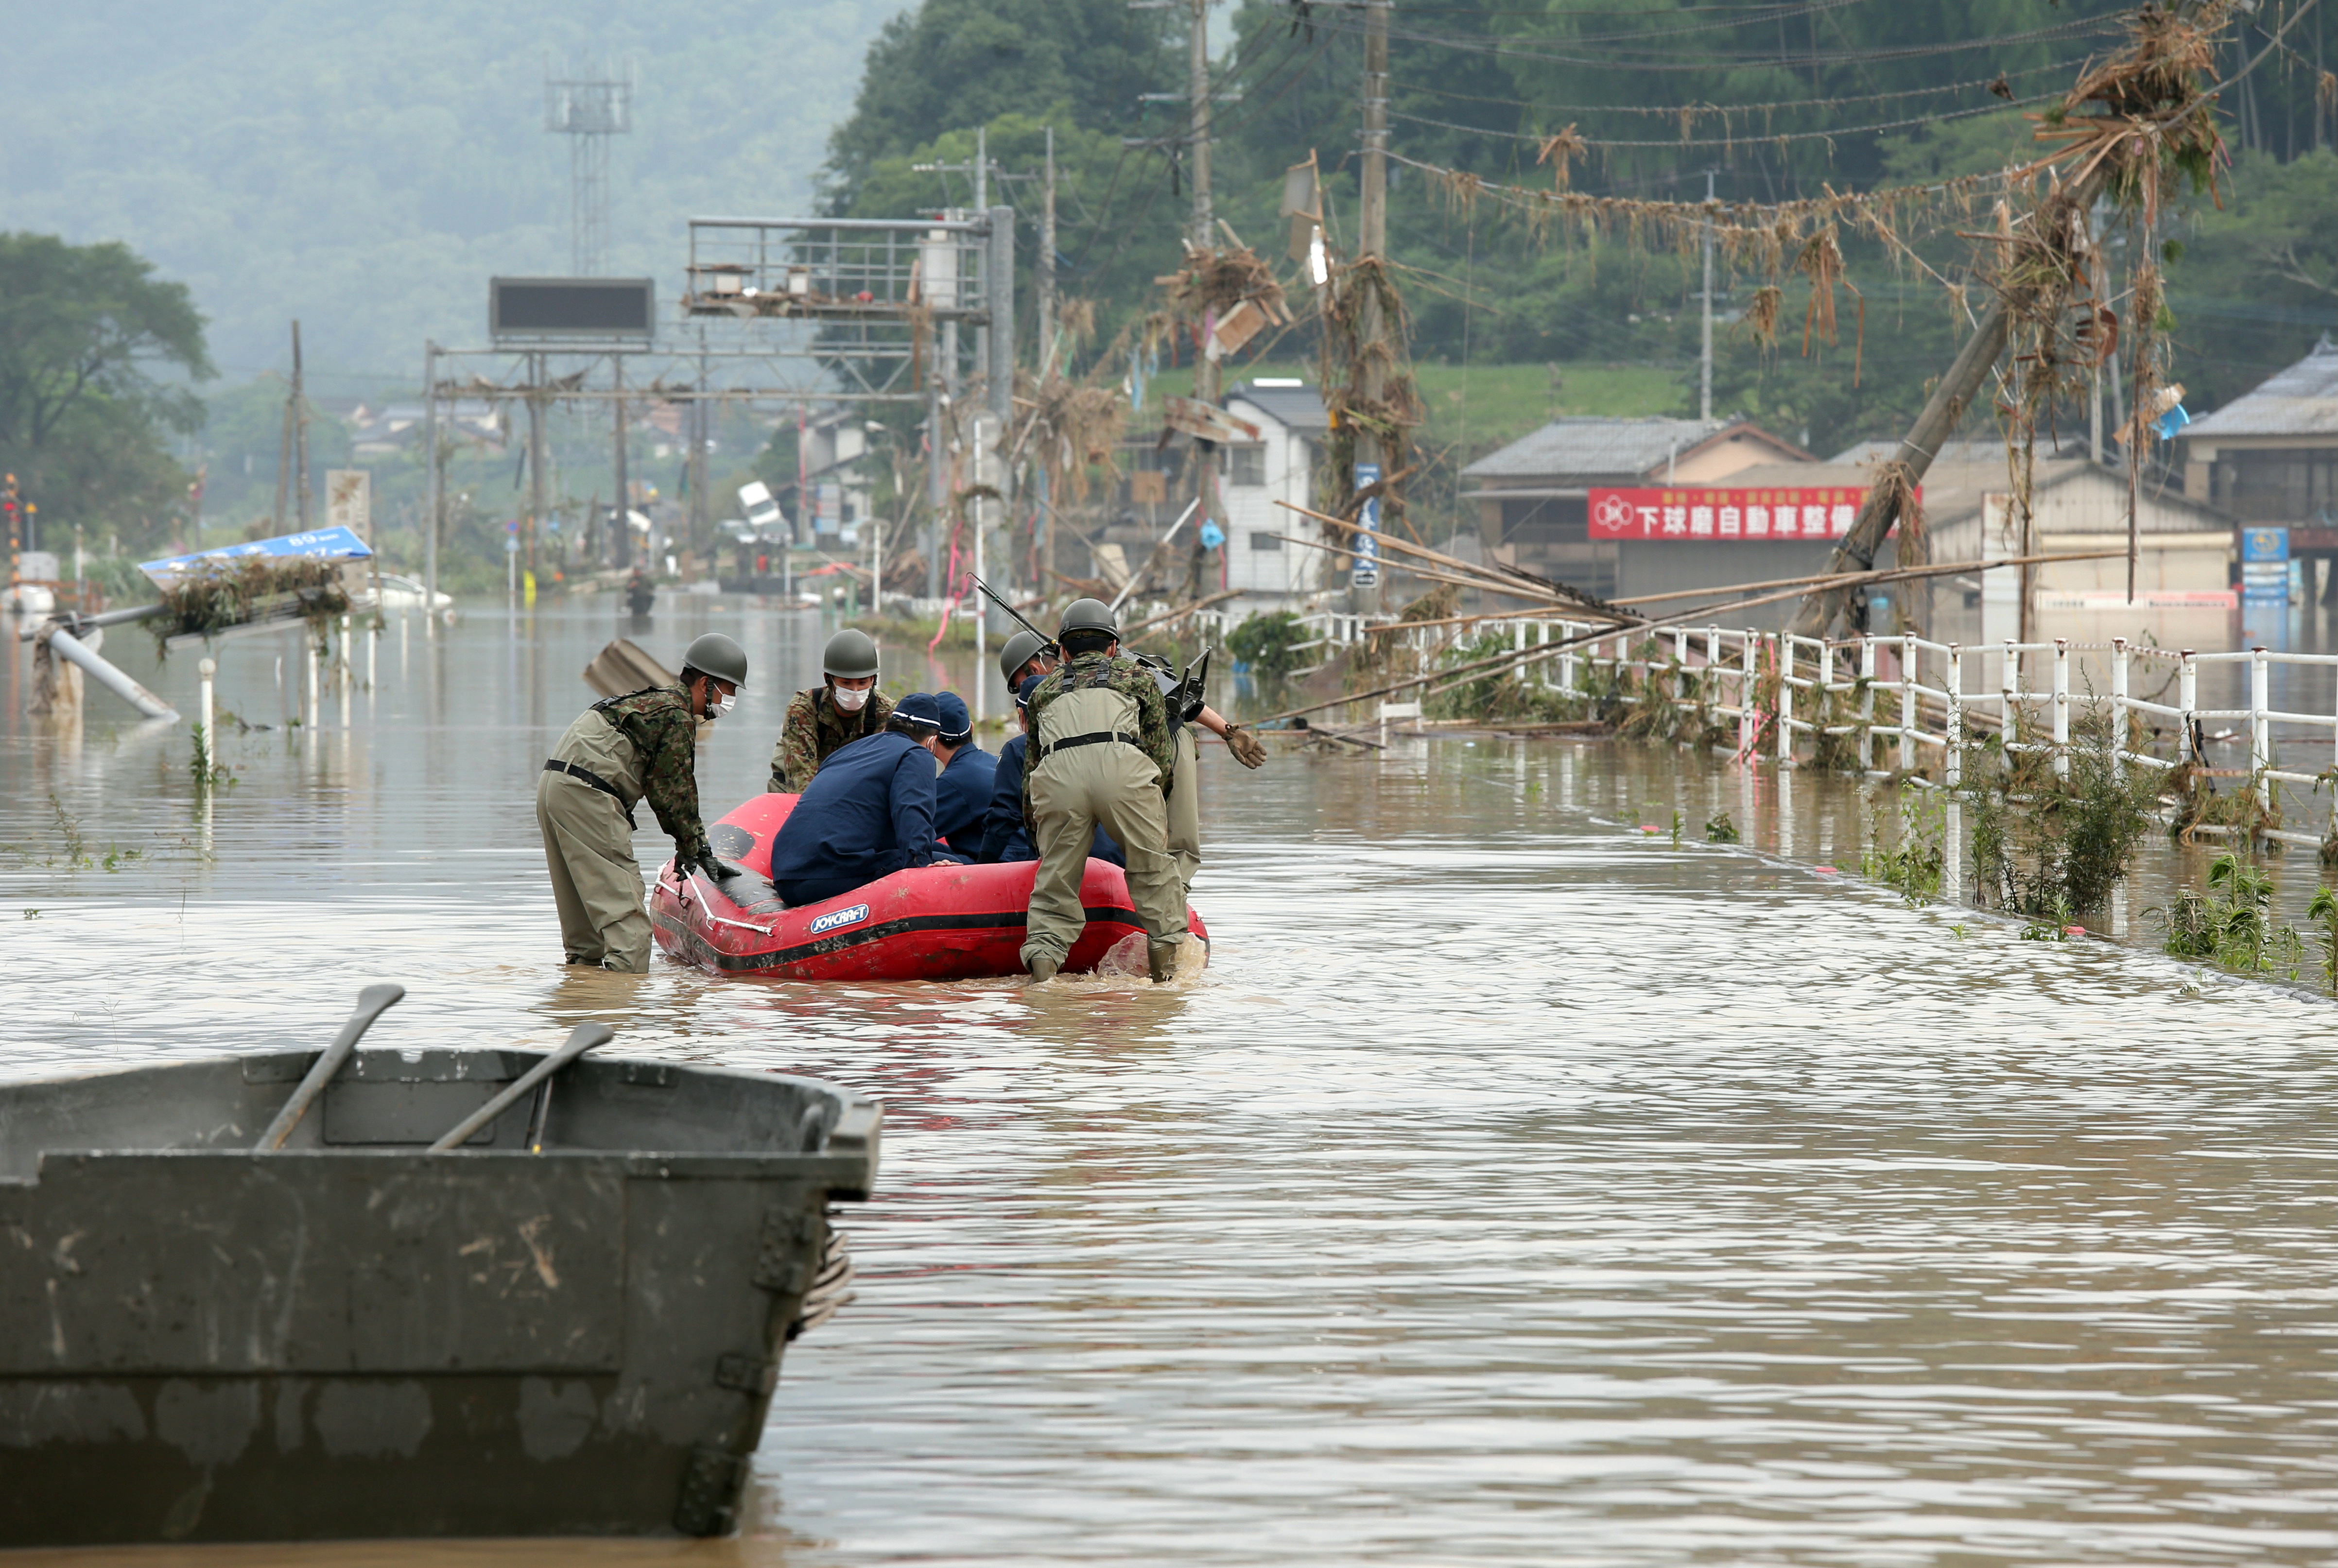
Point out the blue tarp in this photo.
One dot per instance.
(319, 545)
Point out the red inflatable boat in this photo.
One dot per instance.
(938, 923)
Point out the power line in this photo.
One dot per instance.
(1674, 110)
(1508, 48)
(1767, 138)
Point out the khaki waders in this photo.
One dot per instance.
(1076, 789)
(588, 848)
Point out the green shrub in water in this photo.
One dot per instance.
(1915, 864)
(2231, 924)
(2045, 845)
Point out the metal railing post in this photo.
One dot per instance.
(1952, 766)
(1908, 702)
(1866, 704)
(2122, 726)
(2061, 708)
(2260, 726)
(2008, 703)
(2187, 697)
(1747, 645)
(1785, 699)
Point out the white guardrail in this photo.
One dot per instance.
(1729, 669)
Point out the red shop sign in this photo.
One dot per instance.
(1708, 515)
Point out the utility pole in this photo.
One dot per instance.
(435, 501)
(1048, 264)
(1704, 364)
(1207, 381)
(621, 549)
(1044, 552)
(535, 363)
(300, 426)
(1368, 376)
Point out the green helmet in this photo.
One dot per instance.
(850, 654)
(715, 654)
(1089, 615)
(1020, 651)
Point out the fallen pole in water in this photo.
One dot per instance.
(66, 646)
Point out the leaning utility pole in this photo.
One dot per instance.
(1207, 381)
(1369, 375)
(1822, 608)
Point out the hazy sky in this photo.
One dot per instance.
(367, 168)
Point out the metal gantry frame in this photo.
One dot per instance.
(785, 311)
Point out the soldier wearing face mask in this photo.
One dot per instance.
(621, 751)
(845, 707)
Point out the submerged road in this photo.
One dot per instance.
(1513, 1189)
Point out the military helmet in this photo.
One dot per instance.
(1089, 615)
(1020, 651)
(850, 654)
(715, 654)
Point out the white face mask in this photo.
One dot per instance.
(848, 701)
(723, 704)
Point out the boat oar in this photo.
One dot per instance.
(372, 1002)
(581, 1039)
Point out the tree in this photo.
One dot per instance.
(82, 418)
(953, 65)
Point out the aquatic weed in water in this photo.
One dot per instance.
(2231, 924)
(1720, 829)
(1915, 863)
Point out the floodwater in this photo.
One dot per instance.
(1515, 1186)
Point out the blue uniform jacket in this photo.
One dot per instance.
(1004, 837)
(867, 813)
(962, 800)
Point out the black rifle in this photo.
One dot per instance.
(1003, 605)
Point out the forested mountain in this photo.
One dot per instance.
(368, 167)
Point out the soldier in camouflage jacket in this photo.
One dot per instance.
(814, 727)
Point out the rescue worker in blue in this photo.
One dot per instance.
(1005, 834)
(867, 813)
(962, 793)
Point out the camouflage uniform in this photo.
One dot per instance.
(814, 727)
(641, 747)
(1102, 753)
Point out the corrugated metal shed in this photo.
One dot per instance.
(2302, 400)
(1595, 447)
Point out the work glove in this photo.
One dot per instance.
(714, 868)
(1245, 745)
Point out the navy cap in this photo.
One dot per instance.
(920, 707)
(1023, 692)
(957, 724)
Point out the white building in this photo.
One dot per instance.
(1272, 573)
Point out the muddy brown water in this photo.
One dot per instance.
(1515, 1186)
